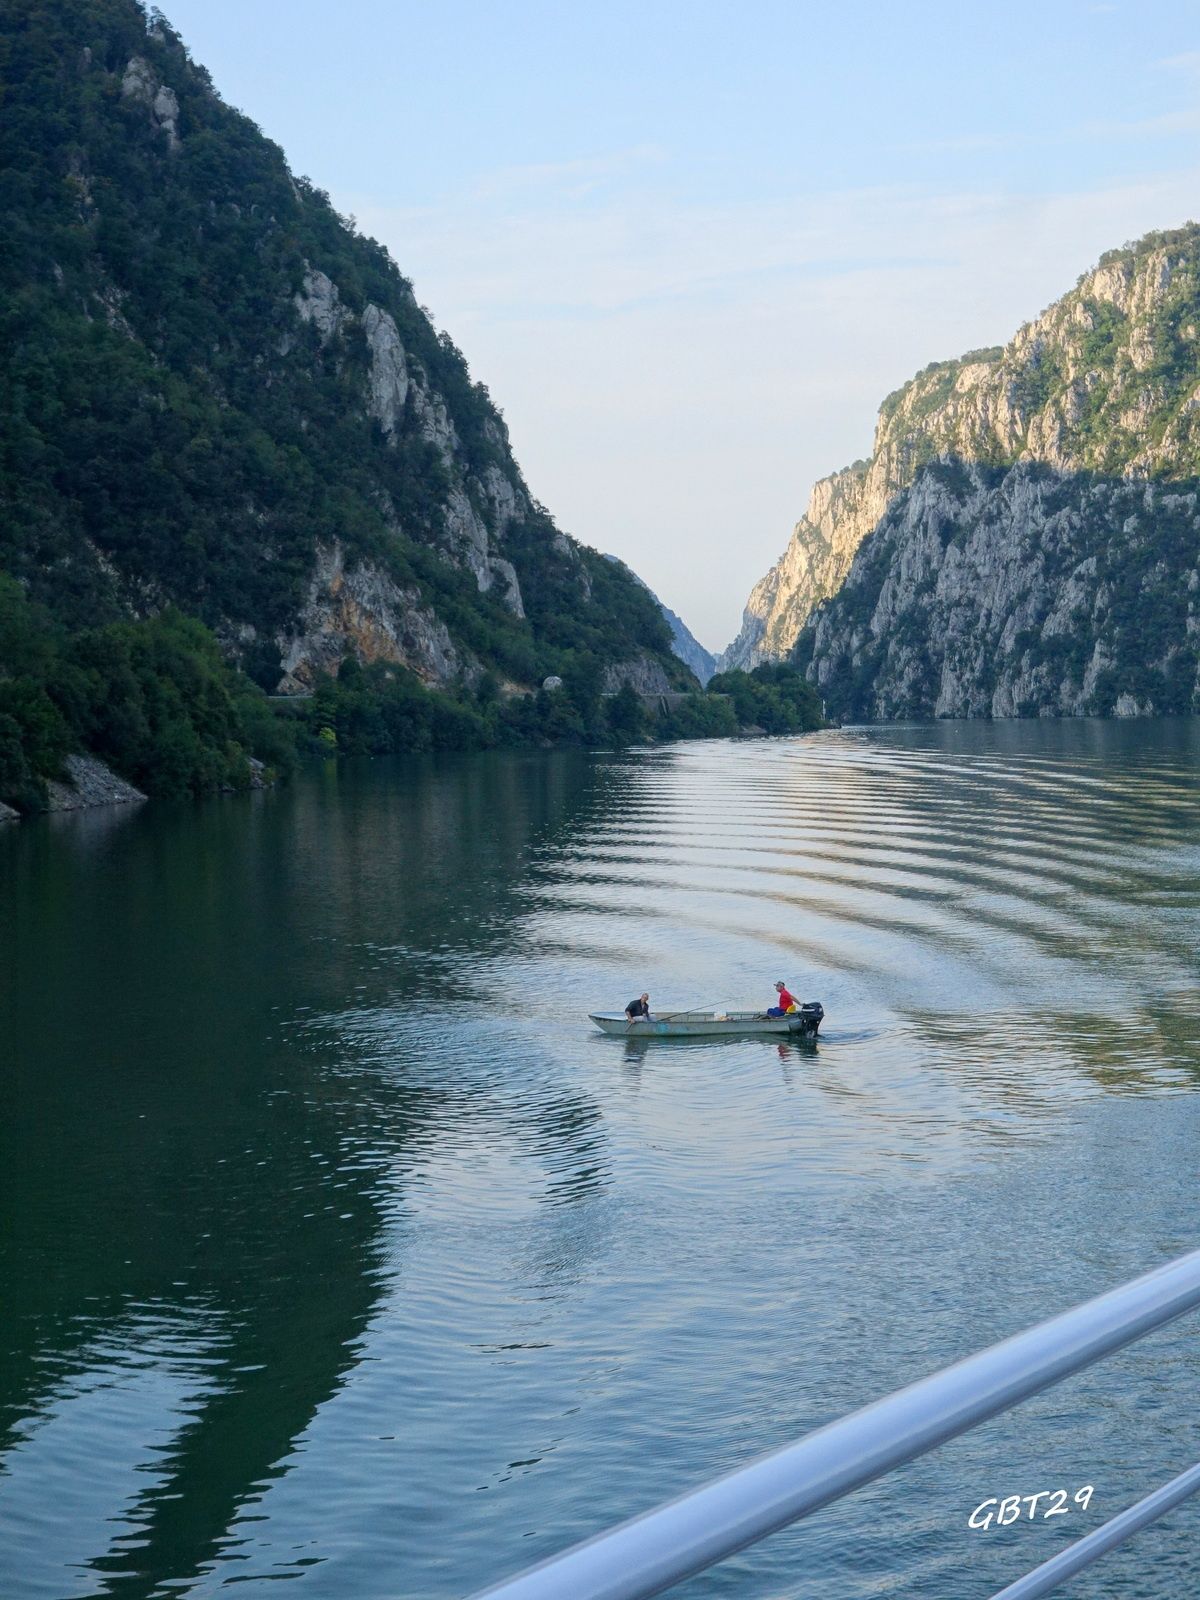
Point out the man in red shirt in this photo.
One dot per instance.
(786, 1003)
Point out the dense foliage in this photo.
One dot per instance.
(155, 699)
(173, 434)
(775, 697)
(379, 710)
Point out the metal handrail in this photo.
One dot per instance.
(1103, 1539)
(660, 1548)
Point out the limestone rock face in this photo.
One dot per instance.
(641, 673)
(1106, 381)
(503, 577)
(166, 114)
(842, 510)
(479, 505)
(1021, 591)
(388, 383)
(140, 85)
(320, 303)
(360, 612)
(435, 423)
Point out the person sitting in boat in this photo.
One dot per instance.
(638, 1008)
(786, 1002)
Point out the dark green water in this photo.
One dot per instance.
(336, 1248)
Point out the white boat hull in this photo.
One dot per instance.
(689, 1025)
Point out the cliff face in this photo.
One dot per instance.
(1105, 383)
(1023, 591)
(688, 648)
(216, 394)
(842, 510)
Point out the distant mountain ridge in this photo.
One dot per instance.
(1023, 539)
(683, 641)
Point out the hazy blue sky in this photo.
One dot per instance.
(690, 247)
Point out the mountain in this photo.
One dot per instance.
(684, 643)
(1011, 592)
(216, 396)
(1023, 539)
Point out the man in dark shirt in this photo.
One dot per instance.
(638, 1008)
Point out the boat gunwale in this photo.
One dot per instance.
(693, 1024)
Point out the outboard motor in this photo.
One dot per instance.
(808, 1019)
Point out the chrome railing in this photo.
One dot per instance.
(653, 1552)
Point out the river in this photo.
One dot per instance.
(336, 1247)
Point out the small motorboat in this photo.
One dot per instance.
(802, 1023)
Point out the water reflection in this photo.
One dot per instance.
(177, 1140)
(337, 1245)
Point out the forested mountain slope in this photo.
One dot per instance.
(216, 395)
(684, 642)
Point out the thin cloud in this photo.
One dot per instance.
(1187, 62)
(582, 176)
(675, 377)
(1166, 124)
(967, 144)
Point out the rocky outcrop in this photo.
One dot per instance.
(7, 814)
(503, 578)
(842, 510)
(1106, 381)
(687, 647)
(319, 302)
(141, 86)
(89, 782)
(1022, 591)
(468, 542)
(478, 506)
(387, 386)
(642, 674)
(358, 611)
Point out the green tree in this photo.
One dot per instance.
(626, 718)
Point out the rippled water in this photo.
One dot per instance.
(338, 1249)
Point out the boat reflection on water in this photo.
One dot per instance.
(793, 1047)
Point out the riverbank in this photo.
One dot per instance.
(156, 707)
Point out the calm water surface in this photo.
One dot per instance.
(337, 1248)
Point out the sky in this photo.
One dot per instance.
(690, 247)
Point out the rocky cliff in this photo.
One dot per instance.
(216, 394)
(1105, 385)
(1019, 591)
(687, 647)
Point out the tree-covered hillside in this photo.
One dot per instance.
(215, 395)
